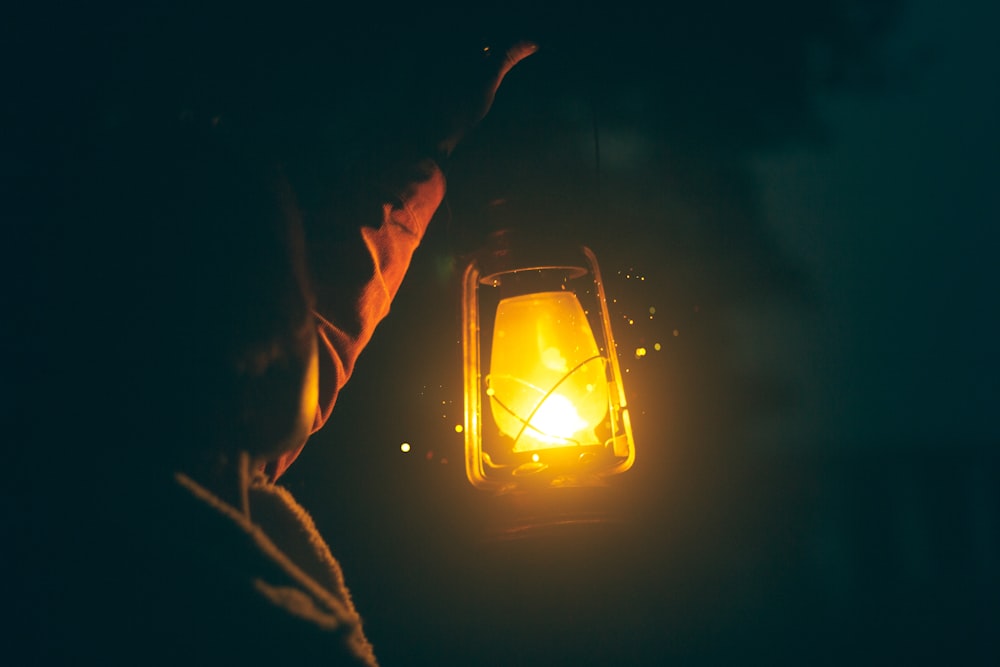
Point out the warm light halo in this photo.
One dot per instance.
(571, 427)
(546, 390)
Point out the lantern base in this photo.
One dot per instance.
(553, 513)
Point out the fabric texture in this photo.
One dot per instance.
(308, 588)
(351, 303)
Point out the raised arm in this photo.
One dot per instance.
(357, 269)
(358, 284)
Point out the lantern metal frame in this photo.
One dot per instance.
(511, 268)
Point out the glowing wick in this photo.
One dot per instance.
(557, 417)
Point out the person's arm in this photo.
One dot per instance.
(357, 283)
(356, 271)
(357, 276)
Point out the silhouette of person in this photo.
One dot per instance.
(210, 342)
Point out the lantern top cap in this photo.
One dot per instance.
(510, 250)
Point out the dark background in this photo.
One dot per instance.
(801, 191)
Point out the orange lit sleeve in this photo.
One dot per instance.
(348, 311)
(357, 271)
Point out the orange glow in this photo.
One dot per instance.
(547, 385)
(556, 420)
(544, 404)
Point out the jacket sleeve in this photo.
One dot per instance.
(357, 270)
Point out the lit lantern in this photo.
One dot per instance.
(544, 404)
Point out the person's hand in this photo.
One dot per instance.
(465, 110)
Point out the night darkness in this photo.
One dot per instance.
(793, 202)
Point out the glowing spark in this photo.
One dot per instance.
(405, 447)
(534, 457)
(657, 346)
(459, 428)
(652, 310)
(640, 352)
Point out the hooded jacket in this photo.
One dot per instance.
(288, 584)
(157, 570)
